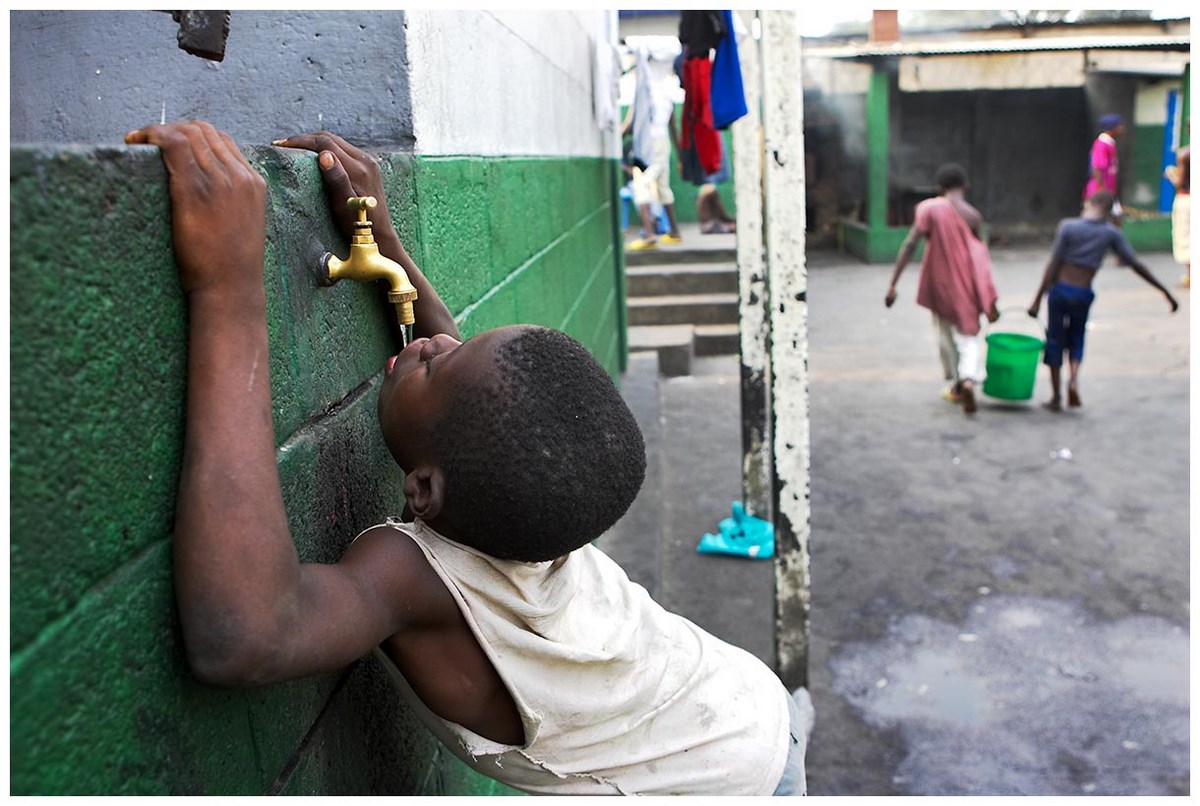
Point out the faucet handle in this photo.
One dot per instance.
(362, 203)
(362, 227)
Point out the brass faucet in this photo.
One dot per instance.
(366, 264)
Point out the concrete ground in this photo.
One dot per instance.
(1000, 603)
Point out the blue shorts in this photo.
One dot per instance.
(794, 781)
(1067, 307)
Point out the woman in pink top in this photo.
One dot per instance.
(1102, 164)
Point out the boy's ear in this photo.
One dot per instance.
(425, 490)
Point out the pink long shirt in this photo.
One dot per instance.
(956, 271)
(1103, 159)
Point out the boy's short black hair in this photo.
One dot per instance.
(950, 176)
(545, 459)
(1103, 200)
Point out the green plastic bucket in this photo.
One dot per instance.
(1012, 361)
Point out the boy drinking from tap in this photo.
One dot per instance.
(525, 649)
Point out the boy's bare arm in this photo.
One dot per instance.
(906, 251)
(1049, 278)
(250, 611)
(1139, 268)
(349, 171)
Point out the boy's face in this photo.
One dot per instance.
(419, 384)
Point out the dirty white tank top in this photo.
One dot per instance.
(617, 695)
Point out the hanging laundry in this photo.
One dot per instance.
(728, 93)
(701, 31)
(643, 109)
(606, 68)
(698, 131)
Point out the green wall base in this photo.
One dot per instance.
(880, 245)
(1150, 234)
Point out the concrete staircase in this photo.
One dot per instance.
(683, 303)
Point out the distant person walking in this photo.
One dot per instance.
(1079, 247)
(1180, 175)
(1103, 163)
(955, 281)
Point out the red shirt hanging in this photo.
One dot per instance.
(697, 114)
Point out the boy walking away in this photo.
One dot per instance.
(1079, 247)
(955, 281)
(525, 649)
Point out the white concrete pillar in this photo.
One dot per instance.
(752, 295)
(787, 288)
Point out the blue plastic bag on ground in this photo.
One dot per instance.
(742, 535)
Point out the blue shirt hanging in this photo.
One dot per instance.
(728, 94)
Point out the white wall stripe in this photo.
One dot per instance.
(506, 83)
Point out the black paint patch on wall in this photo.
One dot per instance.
(1025, 151)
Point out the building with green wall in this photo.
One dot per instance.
(1016, 106)
(516, 229)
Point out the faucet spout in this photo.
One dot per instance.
(366, 264)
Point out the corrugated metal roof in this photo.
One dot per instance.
(873, 50)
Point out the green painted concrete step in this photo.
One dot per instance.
(682, 278)
(696, 309)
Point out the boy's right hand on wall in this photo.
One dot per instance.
(218, 207)
(346, 171)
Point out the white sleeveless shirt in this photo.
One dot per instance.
(617, 695)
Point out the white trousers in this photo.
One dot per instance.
(1181, 226)
(962, 356)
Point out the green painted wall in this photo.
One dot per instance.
(878, 176)
(1147, 168)
(523, 240)
(880, 245)
(101, 699)
(875, 241)
(1150, 233)
(1185, 108)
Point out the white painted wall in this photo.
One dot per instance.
(499, 83)
(1150, 102)
(993, 71)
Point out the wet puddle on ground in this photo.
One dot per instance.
(1029, 696)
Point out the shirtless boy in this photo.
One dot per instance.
(1079, 246)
